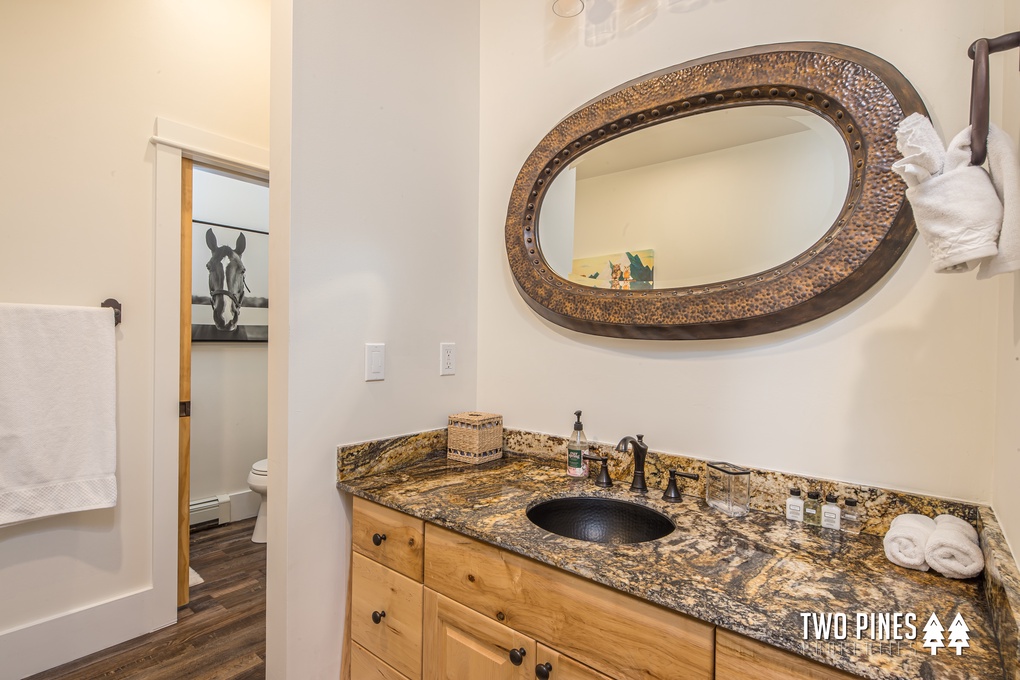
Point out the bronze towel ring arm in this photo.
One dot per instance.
(979, 52)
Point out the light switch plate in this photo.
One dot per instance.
(375, 361)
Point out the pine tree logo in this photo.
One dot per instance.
(958, 637)
(933, 637)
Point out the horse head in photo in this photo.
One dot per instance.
(226, 281)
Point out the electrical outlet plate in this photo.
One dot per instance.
(447, 358)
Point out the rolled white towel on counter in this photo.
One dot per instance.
(958, 523)
(953, 549)
(906, 541)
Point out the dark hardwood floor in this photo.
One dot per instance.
(219, 635)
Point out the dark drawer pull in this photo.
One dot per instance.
(517, 656)
(378, 538)
(543, 670)
(377, 617)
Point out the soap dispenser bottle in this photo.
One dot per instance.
(577, 447)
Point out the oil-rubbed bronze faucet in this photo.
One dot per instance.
(640, 451)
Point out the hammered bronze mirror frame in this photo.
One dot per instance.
(863, 97)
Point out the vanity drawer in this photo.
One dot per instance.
(402, 549)
(741, 658)
(569, 613)
(395, 601)
(367, 666)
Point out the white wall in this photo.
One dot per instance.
(1007, 449)
(82, 86)
(893, 390)
(374, 239)
(667, 207)
(229, 407)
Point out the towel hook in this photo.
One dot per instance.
(979, 51)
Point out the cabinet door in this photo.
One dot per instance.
(560, 667)
(464, 645)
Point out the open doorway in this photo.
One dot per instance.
(224, 352)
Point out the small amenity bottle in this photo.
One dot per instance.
(795, 506)
(813, 509)
(577, 466)
(830, 512)
(851, 518)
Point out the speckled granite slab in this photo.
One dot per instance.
(365, 458)
(758, 575)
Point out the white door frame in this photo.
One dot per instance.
(174, 142)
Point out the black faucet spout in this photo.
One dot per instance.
(640, 451)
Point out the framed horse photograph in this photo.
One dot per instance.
(230, 284)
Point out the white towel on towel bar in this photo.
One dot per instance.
(1004, 169)
(58, 436)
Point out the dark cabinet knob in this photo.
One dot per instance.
(377, 617)
(378, 538)
(543, 670)
(517, 656)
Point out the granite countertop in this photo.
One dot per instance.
(754, 575)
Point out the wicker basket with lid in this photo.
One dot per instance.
(475, 437)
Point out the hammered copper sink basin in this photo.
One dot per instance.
(601, 520)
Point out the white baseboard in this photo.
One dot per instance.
(244, 504)
(50, 643)
(225, 508)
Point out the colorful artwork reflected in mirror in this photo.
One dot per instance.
(629, 270)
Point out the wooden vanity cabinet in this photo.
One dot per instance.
(386, 593)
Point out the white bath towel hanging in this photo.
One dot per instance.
(1004, 169)
(58, 438)
(924, 154)
(957, 212)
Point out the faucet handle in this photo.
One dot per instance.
(603, 479)
(672, 493)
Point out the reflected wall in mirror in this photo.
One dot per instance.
(756, 182)
(661, 188)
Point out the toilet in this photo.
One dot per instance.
(258, 480)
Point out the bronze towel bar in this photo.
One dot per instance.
(979, 51)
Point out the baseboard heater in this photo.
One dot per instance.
(208, 509)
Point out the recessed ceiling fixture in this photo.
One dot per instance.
(567, 8)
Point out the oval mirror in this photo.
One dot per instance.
(644, 194)
(738, 194)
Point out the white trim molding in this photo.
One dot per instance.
(211, 149)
